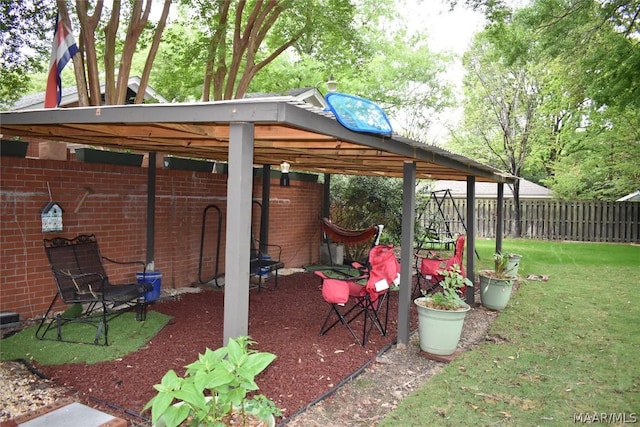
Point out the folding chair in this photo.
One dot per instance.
(428, 267)
(362, 295)
(81, 279)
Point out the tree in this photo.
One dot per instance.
(591, 52)
(230, 42)
(25, 37)
(598, 38)
(502, 97)
(86, 65)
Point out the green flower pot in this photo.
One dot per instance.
(513, 263)
(439, 330)
(495, 292)
(13, 148)
(89, 155)
(188, 164)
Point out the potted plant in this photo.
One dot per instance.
(513, 263)
(496, 284)
(184, 163)
(13, 148)
(92, 155)
(441, 315)
(214, 390)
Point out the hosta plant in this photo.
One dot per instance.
(215, 389)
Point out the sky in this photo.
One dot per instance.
(449, 31)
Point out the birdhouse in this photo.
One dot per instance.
(51, 217)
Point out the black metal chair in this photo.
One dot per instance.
(81, 279)
(264, 260)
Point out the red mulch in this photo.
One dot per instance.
(283, 320)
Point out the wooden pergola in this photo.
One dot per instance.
(264, 131)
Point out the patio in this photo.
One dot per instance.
(283, 320)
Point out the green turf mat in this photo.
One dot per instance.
(126, 335)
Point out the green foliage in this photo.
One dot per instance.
(126, 335)
(566, 345)
(213, 387)
(26, 31)
(550, 96)
(448, 298)
(358, 202)
(500, 261)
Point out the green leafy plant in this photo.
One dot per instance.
(214, 389)
(448, 298)
(500, 263)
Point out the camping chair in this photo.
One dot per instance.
(428, 267)
(362, 295)
(82, 281)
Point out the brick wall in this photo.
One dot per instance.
(116, 209)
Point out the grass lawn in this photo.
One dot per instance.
(570, 348)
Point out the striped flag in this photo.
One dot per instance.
(62, 49)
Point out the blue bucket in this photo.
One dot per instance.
(153, 277)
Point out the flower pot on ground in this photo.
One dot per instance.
(441, 315)
(512, 265)
(91, 155)
(214, 389)
(496, 285)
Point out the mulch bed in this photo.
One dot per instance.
(283, 320)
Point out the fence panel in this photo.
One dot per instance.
(591, 221)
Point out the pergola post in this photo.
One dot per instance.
(471, 236)
(151, 208)
(239, 186)
(406, 257)
(500, 217)
(264, 212)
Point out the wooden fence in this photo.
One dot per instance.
(617, 222)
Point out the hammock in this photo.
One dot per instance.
(351, 237)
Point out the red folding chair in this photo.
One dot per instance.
(362, 295)
(428, 268)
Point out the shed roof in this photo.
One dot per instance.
(286, 129)
(631, 197)
(70, 96)
(528, 190)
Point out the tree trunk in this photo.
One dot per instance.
(78, 63)
(110, 32)
(88, 25)
(136, 25)
(144, 79)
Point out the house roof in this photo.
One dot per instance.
(70, 96)
(528, 190)
(631, 197)
(285, 129)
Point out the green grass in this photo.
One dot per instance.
(571, 345)
(126, 335)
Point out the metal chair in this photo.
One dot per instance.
(81, 279)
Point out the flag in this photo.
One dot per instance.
(62, 50)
